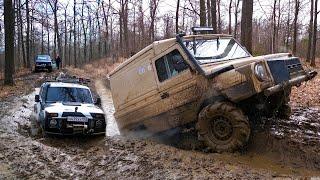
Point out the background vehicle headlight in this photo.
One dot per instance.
(260, 72)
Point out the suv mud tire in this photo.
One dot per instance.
(223, 127)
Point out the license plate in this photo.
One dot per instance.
(77, 119)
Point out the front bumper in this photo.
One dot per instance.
(63, 127)
(292, 82)
(43, 67)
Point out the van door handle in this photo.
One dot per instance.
(164, 95)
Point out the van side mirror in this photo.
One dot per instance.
(98, 101)
(37, 98)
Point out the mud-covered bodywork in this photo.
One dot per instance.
(168, 83)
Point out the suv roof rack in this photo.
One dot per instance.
(69, 79)
(202, 30)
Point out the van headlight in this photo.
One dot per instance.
(260, 72)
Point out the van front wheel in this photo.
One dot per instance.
(223, 127)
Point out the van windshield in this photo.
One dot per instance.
(68, 94)
(214, 50)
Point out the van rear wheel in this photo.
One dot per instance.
(223, 127)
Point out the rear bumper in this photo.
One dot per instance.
(292, 82)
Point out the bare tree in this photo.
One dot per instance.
(273, 26)
(54, 7)
(229, 24)
(84, 28)
(74, 34)
(214, 15)
(310, 31)
(246, 24)
(295, 26)
(9, 42)
(236, 12)
(209, 13)
(153, 9)
(203, 12)
(314, 36)
(177, 16)
(28, 35)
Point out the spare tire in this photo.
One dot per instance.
(223, 127)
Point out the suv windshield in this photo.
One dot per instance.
(43, 58)
(68, 94)
(213, 50)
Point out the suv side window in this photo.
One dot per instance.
(170, 65)
(43, 92)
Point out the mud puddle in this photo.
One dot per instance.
(113, 157)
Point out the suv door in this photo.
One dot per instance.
(40, 105)
(176, 88)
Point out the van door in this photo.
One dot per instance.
(176, 88)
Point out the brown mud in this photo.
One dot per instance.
(284, 148)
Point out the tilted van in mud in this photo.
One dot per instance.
(208, 81)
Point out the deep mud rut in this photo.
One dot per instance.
(287, 149)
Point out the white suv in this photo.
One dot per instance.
(68, 108)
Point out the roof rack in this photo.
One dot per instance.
(69, 79)
(202, 30)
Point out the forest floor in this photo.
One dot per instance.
(282, 148)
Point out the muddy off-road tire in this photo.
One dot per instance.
(223, 127)
(284, 111)
(279, 105)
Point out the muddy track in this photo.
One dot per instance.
(286, 149)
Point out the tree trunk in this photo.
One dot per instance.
(310, 31)
(21, 35)
(9, 42)
(99, 34)
(219, 17)
(84, 33)
(214, 15)
(314, 36)
(177, 17)
(203, 12)
(28, 35)
(70, 35)
(246, 24)
(209, 13)
(105, 17)
(229, 24)
(235, 33)
(273, 26)
(42, 36)
(153, 10)
(74, 35)
(288, 33)
(295, 26)
(56, 28)
(65, 36)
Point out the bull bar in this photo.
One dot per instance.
(292, 82)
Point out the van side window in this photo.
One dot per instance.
(170, 65)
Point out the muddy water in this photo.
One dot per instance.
(107, 105)
(290, 148)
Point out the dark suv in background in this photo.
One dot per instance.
(44, 62)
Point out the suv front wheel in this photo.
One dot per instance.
(223, 127)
